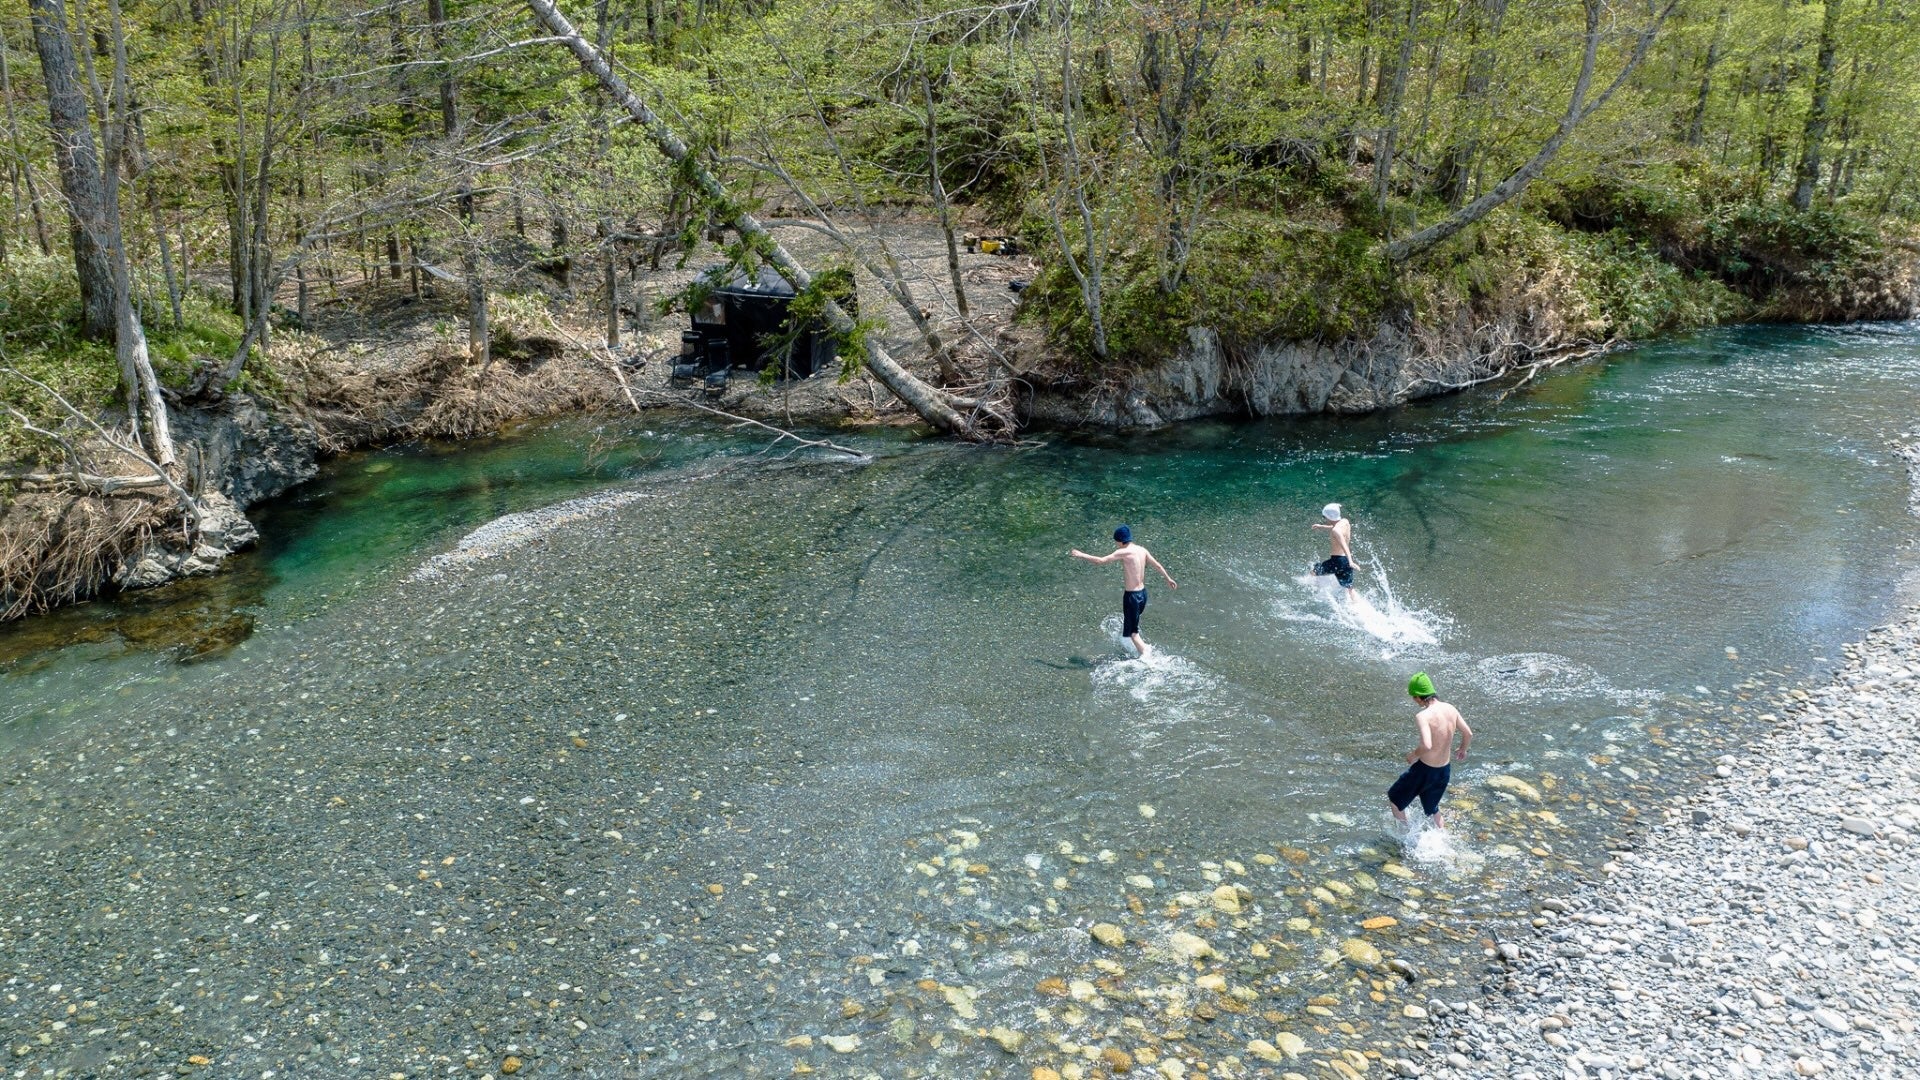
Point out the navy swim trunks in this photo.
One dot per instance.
(1421, 781)
(1340, 567)
(1131, 605)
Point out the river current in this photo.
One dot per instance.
(853, 748)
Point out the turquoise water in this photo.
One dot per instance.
(828, 670)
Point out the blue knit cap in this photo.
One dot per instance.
(1123, 535)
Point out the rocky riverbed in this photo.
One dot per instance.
(1765, 927)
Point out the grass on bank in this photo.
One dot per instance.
(39, 335)
(1609, 258)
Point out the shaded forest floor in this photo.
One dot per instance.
(379, 361)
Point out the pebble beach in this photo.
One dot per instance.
(1764, 927)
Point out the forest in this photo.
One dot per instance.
(188, 181)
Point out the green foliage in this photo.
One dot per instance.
(1253, 278)
(1633, 293)
(39, 313)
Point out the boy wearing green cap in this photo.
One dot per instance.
(1429, 765)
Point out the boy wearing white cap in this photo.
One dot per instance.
(1340, 563)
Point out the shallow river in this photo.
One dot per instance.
(803, 746)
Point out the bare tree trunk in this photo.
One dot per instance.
(479, 342)
(1087, 268)
(1578, 109)
(613, 287)
(142, 165)
(1808, 174)
(78, 157)
(259, 247)
(938, 189)
(936, 407)
(130, 339)
(1457, 167)
(1697, 126)
(17, 169)
(1390, 109)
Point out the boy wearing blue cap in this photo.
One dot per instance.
(1133, 560)
(1429, 765)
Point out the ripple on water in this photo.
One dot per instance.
(1544, 676)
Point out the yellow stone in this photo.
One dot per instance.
(1360, 953)
(1297, 923)
(1108, 934)
(1396, 870)
(510, 1066)
(1290, 1044)
(1265, 859)
(1515, 786)
(1340, 887)
(1264, 1050)
(1379, 922)
(1041, 1072)
(716, 889)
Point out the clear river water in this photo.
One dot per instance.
(767, 746)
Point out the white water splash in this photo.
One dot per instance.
(1174, 685)
(1542, 676)
(1372, 608)
(1429, 846)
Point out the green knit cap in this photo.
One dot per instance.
(1420, 685)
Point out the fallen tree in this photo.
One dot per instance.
(965, 417)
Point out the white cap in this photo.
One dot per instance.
(1331, 511)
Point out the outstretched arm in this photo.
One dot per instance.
(1078, 554)
(1466, 740)
(1320, 525)
(1163, 572)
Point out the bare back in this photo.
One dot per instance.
(1340, 533)
(1438, 724)
(1133, 567)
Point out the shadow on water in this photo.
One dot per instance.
(193, 620)
(361, 515)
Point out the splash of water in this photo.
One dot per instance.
(1373, 610)
(1428, 845)
(1174, 685)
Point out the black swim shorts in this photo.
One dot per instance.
(1340, 567)
(1423, 781)
(1131, 605)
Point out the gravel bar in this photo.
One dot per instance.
(1765, 928)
